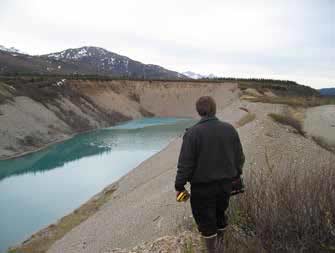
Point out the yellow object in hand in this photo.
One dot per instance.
(183, 196)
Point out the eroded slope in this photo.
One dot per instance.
(35, 114)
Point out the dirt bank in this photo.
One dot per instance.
(34, 115)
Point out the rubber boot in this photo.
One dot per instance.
(210, 242)
(220, 240)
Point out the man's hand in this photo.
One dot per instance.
(182, 196)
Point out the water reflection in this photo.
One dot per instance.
(137, 133)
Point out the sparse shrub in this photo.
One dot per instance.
(189, 247)
(135, 97)
(244, 109)
(290, 210)
(289, 121)
(146, 113)
(5, 93)
(260, 90)
(247, 118)
(10, 148)
(30, 141)
(303, 101)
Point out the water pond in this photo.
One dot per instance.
(40, 188)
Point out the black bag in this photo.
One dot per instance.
(237, 186)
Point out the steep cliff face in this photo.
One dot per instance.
(161, 98)
(35, 114)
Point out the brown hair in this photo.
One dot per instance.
(206, 106)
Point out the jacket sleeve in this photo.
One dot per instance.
(186, 161)
(239, 155)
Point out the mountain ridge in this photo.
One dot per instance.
(327, 91)
(87, 60)
(10, 49)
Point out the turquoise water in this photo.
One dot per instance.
(40, 188)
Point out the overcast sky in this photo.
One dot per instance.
(283, 39)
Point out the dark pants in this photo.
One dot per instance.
(209, 203)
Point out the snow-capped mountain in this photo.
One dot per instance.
(78, 53)
(82, 61)
(10, 50)
(211, 76)
(102, 61)
(193, 75)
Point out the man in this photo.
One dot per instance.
(211, 158)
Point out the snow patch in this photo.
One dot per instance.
(60, 83)
(81, 53)
(193, 75)
(11, 50)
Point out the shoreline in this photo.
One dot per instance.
(41, 240)
(25, 153)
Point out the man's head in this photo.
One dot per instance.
(206, 106)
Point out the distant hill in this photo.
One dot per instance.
(327, 92)
(84, 60)
(18, 63)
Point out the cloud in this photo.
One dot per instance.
(282, 39)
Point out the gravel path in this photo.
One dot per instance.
(143, 207)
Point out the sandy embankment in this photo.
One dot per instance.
(27, 124)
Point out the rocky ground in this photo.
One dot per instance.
(190, 242)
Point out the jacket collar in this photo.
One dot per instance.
(205, 119)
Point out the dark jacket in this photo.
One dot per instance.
(211, 151)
